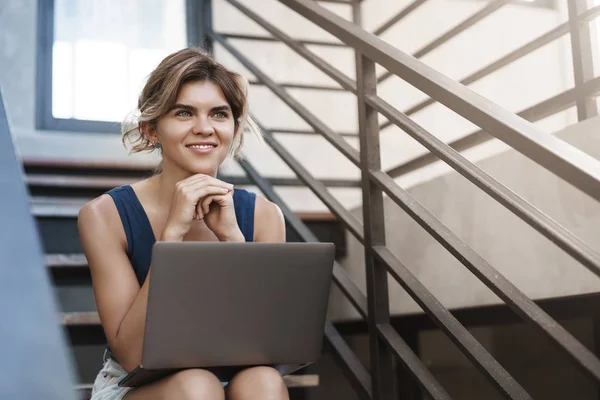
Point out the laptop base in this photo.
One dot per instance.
(142, 376)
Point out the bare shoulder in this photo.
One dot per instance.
(99, 216)
(97, 210)
(269, 224)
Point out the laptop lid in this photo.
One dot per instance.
(232, 304)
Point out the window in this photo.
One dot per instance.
(94, 57)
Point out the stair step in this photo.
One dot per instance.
(79, 318)
(291, 381)
(66, 261)
(73, 181)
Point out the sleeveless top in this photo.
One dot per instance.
(139, 234)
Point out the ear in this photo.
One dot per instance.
(148, 130)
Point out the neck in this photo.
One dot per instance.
(167, 180)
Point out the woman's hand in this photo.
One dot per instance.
(202, 197)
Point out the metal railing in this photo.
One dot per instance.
(567, 162)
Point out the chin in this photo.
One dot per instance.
(207, 168)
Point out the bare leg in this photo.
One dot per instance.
(191, 384)
(259, 383)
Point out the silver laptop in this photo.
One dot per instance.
(228, 306)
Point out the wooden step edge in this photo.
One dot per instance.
(78, 164)
(291, 381)
(85, 182)
(65, 261)
(80, 318)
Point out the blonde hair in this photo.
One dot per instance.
(162, 88)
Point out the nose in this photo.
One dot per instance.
(203, 127)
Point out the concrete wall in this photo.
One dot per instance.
(544, 73)
(530, 261)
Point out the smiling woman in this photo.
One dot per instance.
(194, 111)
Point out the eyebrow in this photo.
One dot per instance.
(187, 107)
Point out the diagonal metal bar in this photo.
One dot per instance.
(344, 282)
(463, 26)
(349, 220)
(399, 16)
(260, 38)
(566, 161)
(309, 132)
(299, 48)
(336, 140)
(304, 86)
(412, 363)
(501, 286)
(465, 341)
(351, 363)
(521, 52)
(548, 107)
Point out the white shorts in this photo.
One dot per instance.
(106, 386)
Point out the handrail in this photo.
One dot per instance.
(521, 304)
(491, 116)
(497, 373)
(566, 161)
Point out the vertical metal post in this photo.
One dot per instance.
(382, 361)
(199, 20)
(583, 65)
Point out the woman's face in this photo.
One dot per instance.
(196, 134)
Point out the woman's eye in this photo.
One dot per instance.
(183, 113)
(221, 114)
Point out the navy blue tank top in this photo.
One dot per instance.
(139, 234)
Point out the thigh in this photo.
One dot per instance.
(188, 384)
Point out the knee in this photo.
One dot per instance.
(258, 382)
(197, 384)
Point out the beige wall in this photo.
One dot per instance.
(517, 251)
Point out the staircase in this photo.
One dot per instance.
(392, 365)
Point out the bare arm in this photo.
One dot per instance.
(269, 224)
(120, 301)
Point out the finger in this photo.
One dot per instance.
(192, 180)
(193, 195)
(205, 204)
(221, 200)
(209, 180)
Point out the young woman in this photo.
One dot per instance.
(194, 112)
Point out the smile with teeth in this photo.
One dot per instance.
(201, 146)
